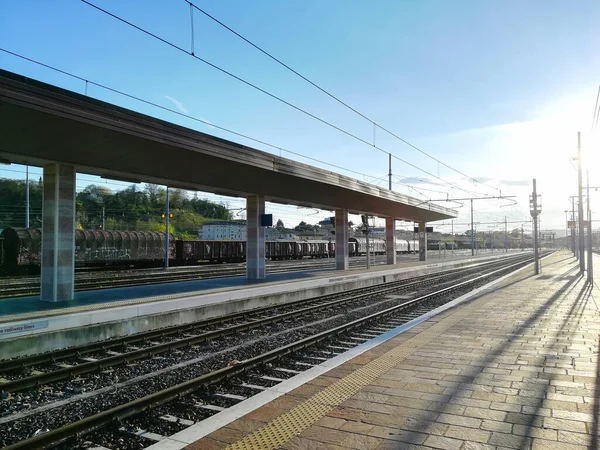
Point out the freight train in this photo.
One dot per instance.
(21, 252)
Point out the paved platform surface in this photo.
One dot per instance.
(104, 297)
(516, 367)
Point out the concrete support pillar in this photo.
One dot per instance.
(255, 240)
(58, 233)
(390, 240)
(422, 241)
(341, 239)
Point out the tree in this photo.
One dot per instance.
(130, 209)
(303, 226)
(279, 226)
(12, 203)
(153, 191)
(177, 198)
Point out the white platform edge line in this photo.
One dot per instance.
(195, 432)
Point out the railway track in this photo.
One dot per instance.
(105, 279)
(302, 324)
(30, 285)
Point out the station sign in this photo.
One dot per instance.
(266, 220)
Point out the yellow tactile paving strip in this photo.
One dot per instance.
(283, 428)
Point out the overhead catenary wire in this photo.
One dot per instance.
(334, 97)
(275, 97)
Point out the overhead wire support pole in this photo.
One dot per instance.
(192, 27)
(472, 232)
(590, 275)
(573, 243)
(390, 170)
(453, 241)
(580, 208)
(534, 213)
(368, 245)
(498, 197)
(167, 229)
(26, 196)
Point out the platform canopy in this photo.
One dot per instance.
(40, 123)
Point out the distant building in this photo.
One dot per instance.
(234, 230)
(273, 234)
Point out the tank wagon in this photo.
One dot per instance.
(23, 248)
(376, 246)
(93, 248)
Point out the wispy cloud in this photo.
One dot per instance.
(503, 127)
(515, 182)
(208, 123)
(478, 179)
(177, 104)
(415, 180)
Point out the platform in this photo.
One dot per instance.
(513, 366)
(101, 314)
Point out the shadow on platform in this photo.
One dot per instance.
(567, 329)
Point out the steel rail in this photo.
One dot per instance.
(139, 405)
(27, 361)
(104, 282)
(91, 366)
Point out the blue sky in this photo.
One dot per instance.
(496, 89)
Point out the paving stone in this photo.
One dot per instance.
(492, 425)
(245, 425)
(459, 420)
(443, 443)
(570, 415)
(330, 422)
(207, 444)
(356, 427)
(544, 412)
(227, 434)
(411, 437)
(467, 434)
(508, 407)
(477, 446)
(542, 444)
(509, 440)
(360, 442)
(574, 438)
(471, 402)
(321, 434)
(565, 425)
(299, 443)
(535, 432)
(524, 419)
(482, 413)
